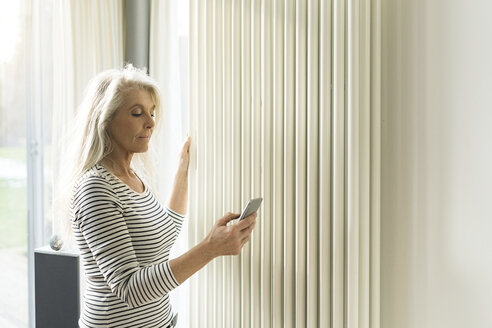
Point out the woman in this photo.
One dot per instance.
(124, 234)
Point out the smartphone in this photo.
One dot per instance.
(250, 208)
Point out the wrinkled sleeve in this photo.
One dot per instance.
(99, 216)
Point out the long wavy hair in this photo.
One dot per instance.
(89, 142)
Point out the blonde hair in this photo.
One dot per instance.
(89, 142)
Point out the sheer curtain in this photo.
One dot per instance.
(285, 104)
(87, 39)
(168, 64)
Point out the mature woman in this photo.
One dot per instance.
(124, 234)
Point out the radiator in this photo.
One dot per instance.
(285, 105)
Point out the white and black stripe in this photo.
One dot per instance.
(124, 239)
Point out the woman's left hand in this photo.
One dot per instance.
(184, 156)
(179, 194)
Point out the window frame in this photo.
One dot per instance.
(34, 148)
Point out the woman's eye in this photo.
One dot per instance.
(152, 115)
(136, 115)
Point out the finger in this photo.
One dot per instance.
(228, 217)
(251, 226)
(247, 231)
(247, 221)
(244, 241)
(187, 142)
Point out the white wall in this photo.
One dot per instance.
(436, 228)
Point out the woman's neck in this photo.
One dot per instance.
(119, 166)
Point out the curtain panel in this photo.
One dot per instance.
(87, 39)
(285, 104)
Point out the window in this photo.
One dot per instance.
(25, 113)
(14, 35)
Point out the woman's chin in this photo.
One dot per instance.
(141, 149)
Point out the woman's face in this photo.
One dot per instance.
(133, 123)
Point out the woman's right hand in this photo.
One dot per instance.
(226, 239)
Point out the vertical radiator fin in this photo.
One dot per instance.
(285, 105)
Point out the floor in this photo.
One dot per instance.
(13, 287)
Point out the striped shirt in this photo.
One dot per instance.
(124, 239)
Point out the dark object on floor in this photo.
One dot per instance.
(57, 291)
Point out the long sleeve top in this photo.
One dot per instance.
(124, 239)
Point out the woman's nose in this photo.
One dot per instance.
(150, 122)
